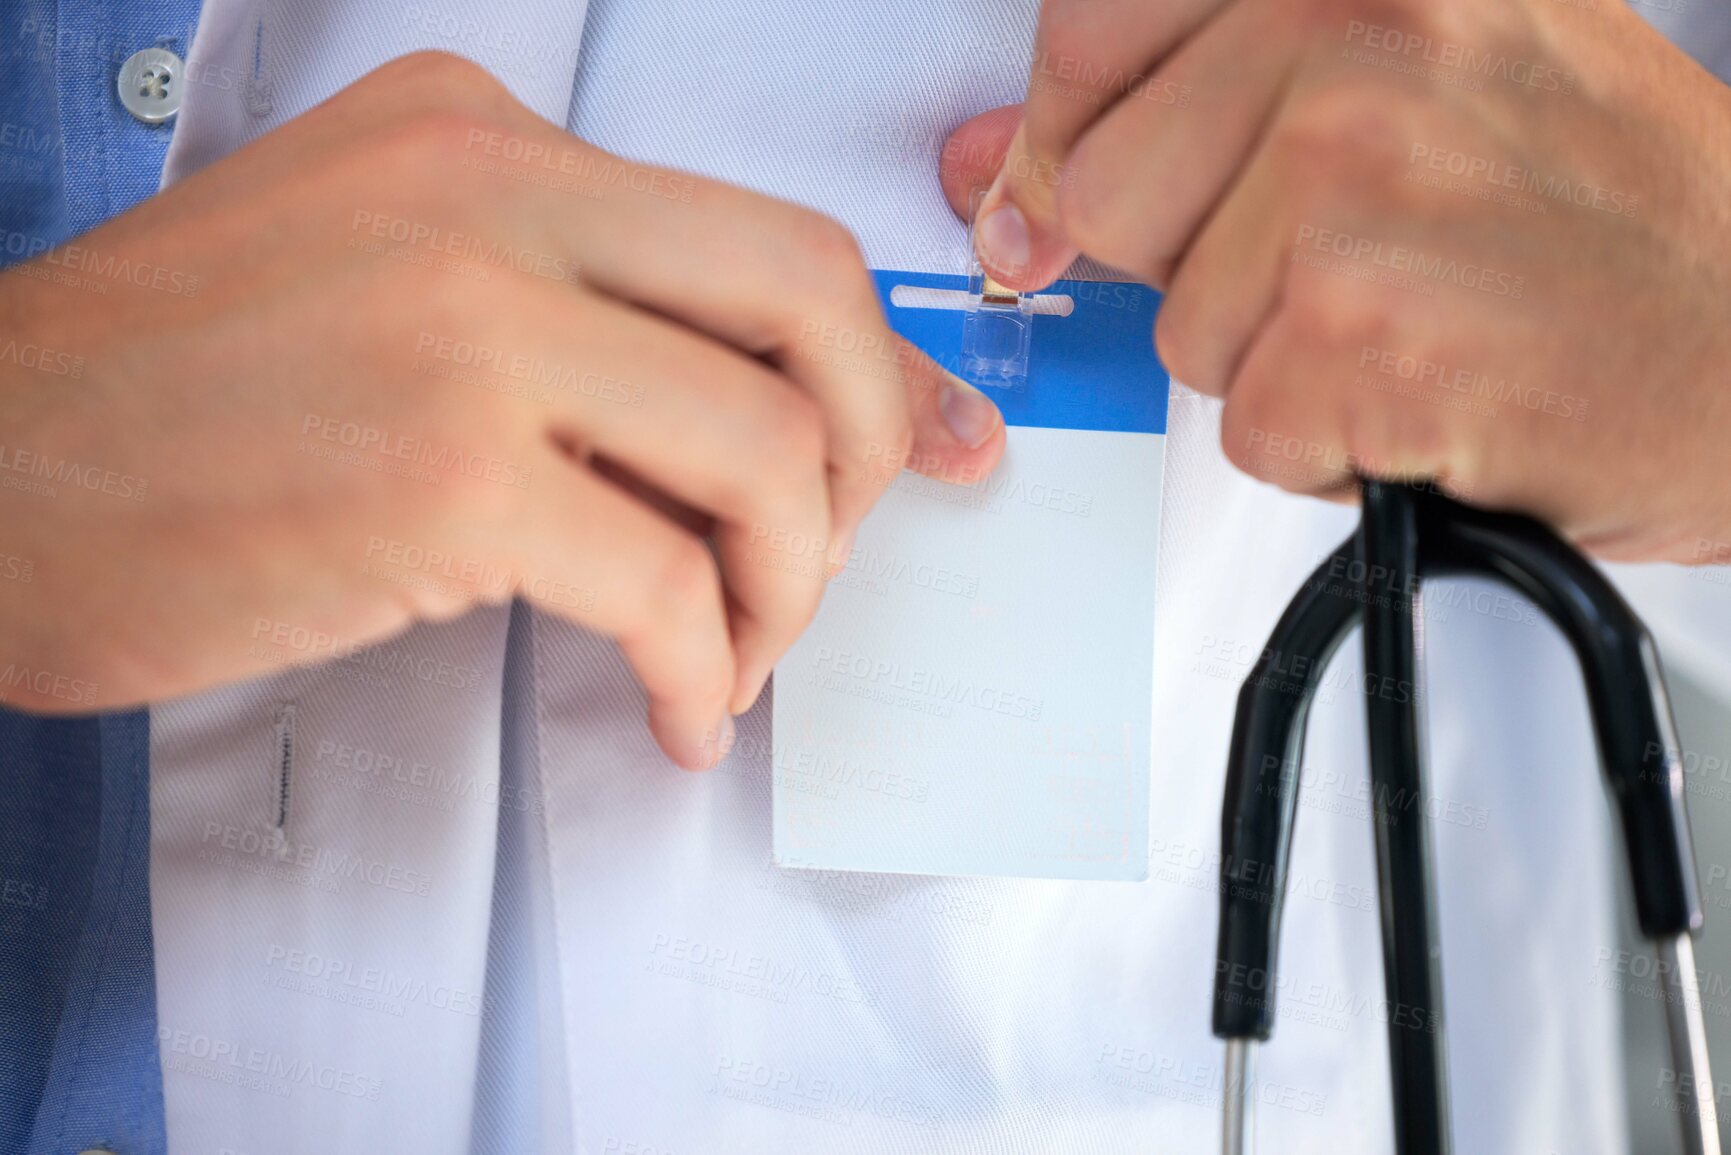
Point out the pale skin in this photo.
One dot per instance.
(313, 414)
(1204, 146)
(1336, 193)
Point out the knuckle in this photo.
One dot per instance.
(1340, 130)
(828, 266)
(1088, 205)
(868, 470)
(1373, 441)
(830, 245)
(706, 678)
(703, 673)
(828, 282)
(482, 499)
(1243, 432)
(1177, 341)
(476, 476)
(1370, 438)
(804, 600)
(684, 577)
(433, 75)
(1047, 131)
(1408, 438)
(1343, 317)
(1272, 432)
(794, 438)
(425, 138)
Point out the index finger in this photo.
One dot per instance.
(790, 285)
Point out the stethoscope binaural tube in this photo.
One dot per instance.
(1410, 534)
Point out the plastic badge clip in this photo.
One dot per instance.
(997, 327)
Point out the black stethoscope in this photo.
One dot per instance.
(1408, 534)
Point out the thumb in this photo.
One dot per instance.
(1017, 234)
(958, 432)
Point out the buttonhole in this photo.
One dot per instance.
(285, 761)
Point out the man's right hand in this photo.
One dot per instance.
(419, 349)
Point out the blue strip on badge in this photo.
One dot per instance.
(1093, 369)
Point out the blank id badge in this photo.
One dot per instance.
(975, 694)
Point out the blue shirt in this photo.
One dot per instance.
(78, 1048)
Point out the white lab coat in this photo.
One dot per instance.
(659, 987)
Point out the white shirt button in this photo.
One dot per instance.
(150, 84)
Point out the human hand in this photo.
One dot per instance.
(1484, 243)
(419, 349)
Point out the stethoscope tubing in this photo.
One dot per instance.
(1406, 535)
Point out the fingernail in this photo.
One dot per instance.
(970, 414)
(1002, 238)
